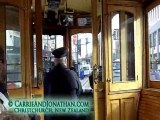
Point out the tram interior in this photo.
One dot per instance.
(57, 16)
(116, 41)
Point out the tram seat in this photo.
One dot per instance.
(149, 105)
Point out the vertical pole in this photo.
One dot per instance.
(95, 53)
(55, 41)
(94, 32)
(38, 30)
(99, 102)
(68, 45)
(26, 45)
(77, 56)
(86, 49)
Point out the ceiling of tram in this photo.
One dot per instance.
(62, 13)
(58, 14)
(70, 6)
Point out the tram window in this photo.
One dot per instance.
(49, 43)
(123, 53)
(13, 48)
(154, 42)
(81, 45)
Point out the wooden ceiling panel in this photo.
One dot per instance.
(76, 5)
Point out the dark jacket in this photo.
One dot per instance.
(3, 90)
(91, 79)
(79, 90)
(61, 83)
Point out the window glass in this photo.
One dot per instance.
(13, 48)
(123, 53)
(81, 45)
(154, 43)
(49, 43)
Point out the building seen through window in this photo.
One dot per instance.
(49, 43)
(154, 42)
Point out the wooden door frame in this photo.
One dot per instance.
(25, 24)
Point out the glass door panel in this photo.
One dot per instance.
(123, 54)
(125, 49)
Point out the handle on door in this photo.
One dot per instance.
(97, 73)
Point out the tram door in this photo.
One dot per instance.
(123, 61)
(13, 52)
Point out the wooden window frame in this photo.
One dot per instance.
(24, 7)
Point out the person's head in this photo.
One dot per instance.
(60, 56)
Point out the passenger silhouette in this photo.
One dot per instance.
(3, 88)
(61, 81)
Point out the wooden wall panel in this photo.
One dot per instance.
(128, 109)
(115, 109)
(18, 3)
(123, 106)
(99, 101)
(149, 106)
(99, 109)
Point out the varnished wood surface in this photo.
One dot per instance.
(149, 105)
(18, 3)
(122, 106)
(24, 18)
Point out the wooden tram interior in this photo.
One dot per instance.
(126, 50)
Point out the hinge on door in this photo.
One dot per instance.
(137, 77)
(108, 80)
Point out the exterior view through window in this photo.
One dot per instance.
(49, 43)
(154, 42)
(13, 48)
(82, 57)
(123, 53)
